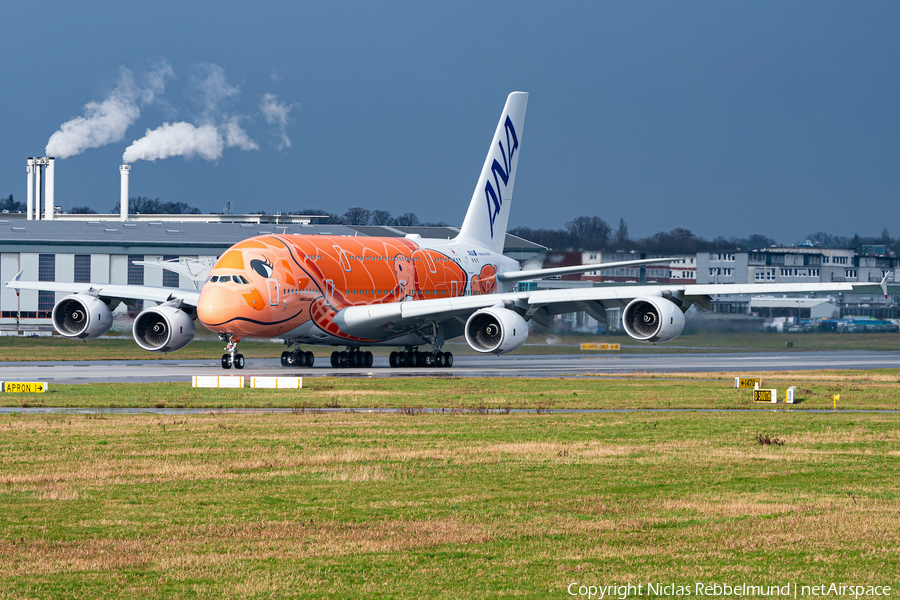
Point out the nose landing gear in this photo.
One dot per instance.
(231, 358)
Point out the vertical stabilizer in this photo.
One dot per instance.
(488, 212)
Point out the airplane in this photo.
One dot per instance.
(361, 292)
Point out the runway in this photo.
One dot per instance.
(151, 371)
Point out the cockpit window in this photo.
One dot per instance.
(243, 279)
(214, 278)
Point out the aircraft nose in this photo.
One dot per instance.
(216, 306)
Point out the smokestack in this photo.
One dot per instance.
(48, 195)
(123, 199)
(30, 196)
(38, 187)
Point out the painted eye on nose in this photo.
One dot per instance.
(261, 267)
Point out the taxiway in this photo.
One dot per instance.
(152, 371)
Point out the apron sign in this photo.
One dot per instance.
(29, 387)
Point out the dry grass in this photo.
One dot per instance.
(460, 505)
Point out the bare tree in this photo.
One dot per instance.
(589, 233)
(381, 217)
(357, 216)
(408, 220)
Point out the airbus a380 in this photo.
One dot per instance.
(410, 292)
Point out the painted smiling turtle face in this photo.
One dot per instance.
(263, 267)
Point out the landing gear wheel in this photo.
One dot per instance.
(448, 359)
(226, 361)
(238, 361)
(335, 359)
(301, 359)
(439, 360)
(368, 359)
(310, 359)
(393, 360)
(286, 359)
(415, 359)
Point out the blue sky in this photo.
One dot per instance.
(779, 118)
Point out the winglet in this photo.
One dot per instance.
(884, 284)
(14, 279)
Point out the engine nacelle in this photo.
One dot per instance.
(82, 316)
(652, 319)
(163, 329)
(496, 330)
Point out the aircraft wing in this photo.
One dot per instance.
(540, 304)
(541, 273)
(111, 290)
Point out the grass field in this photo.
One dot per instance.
(57, 348)
(456, 505)
(870, 389)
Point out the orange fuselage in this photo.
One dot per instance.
(270, 285)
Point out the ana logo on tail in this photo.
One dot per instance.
(494, 198)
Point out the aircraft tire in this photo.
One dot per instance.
(448, 359)
(335, 359)
(310, 359)
(370, 359)
(285, 358)
(238, 361)
(414, 360)
(392, 360)
(439, 360)
(226, 361)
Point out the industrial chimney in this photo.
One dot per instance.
(49, 191)
(123, 200)
(29, 203)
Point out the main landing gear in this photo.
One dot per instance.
(352, 357)
(231, 358)
(413, 358)
(297, 357)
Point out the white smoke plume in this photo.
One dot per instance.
(214, 89)
(276, 114)
(177, 139)
(106, 122)
(236, 136)
(206, 140)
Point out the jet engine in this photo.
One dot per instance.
(163, 329)
(82, 316)
(496, 330)
(652, 319)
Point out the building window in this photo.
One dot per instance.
(136, 275)
(82, 268)
(850, 273)
(824, 260)
(46, 272)
(46, 267)
(170, 278)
